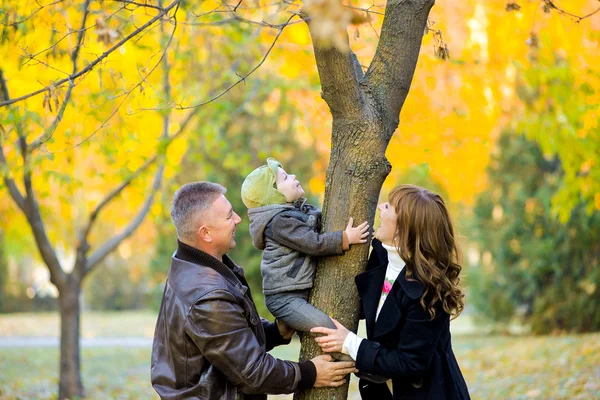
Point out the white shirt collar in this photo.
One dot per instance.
(395, 262)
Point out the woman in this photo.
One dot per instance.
(408, 295)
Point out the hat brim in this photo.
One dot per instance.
(273, 165)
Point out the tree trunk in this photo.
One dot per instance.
(365, 110)
(357, 169)
(70, 385)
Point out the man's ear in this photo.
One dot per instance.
(204, 234)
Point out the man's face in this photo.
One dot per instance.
(222, 223)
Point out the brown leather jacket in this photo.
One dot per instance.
(209, 341)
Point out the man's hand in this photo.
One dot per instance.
(358, 234)
(332, 373)
(284, 330)
(333, 339)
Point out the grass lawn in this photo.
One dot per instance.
(495, 367)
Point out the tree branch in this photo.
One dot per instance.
(243, 77)
(549, 5)
(395, 60)
(91, 65)
(52, 128)
(340, 77)
(29, 205)
(14, 191)
(113, 242)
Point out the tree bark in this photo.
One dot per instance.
(70, 385)
(365, 110)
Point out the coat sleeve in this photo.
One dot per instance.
(413, 355)
(297, 235)
(272, 334)
(222, 333)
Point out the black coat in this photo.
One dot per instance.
(404, 344)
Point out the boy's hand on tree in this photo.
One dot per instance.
(332, 373)
(358, 234)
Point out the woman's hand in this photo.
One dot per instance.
(333, 341)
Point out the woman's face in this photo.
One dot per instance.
(388, 223)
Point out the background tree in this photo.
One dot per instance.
(28, 135)
(535, 268)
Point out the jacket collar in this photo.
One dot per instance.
(227, 268)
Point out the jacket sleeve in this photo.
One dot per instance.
(218, 327)
(297, 235)
(272, 335)
(411, 359)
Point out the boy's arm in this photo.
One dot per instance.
(297, 235)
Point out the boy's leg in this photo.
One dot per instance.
(294, 309)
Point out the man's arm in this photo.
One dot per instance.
(274, 335)
(218, 327)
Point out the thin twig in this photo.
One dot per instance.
(91, 65)
(243, 78)
(74, 56)
(576, 18)
(13, 23)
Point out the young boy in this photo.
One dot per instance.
(287, 229)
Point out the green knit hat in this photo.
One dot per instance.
(259, 189)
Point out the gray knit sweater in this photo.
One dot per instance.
(290, 240)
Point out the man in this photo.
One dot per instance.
(210, 342)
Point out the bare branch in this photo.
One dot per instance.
(14, 23)
(549, 5)
(34, 217)
(340, 73)
(52, 128)
(14, 191)
(91, 65)
(143, 5)
(242, 78)
(29, 205)
(3, 88)
(113, 242)
(393, 65)
(128, 92)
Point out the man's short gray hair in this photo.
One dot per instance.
(189, 202)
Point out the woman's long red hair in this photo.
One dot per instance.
(425, 241)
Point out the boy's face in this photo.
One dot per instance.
(288, 185)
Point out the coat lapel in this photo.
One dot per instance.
(390, 313)
(369, 285)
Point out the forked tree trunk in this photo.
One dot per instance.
(70, 385)
(365, 110)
